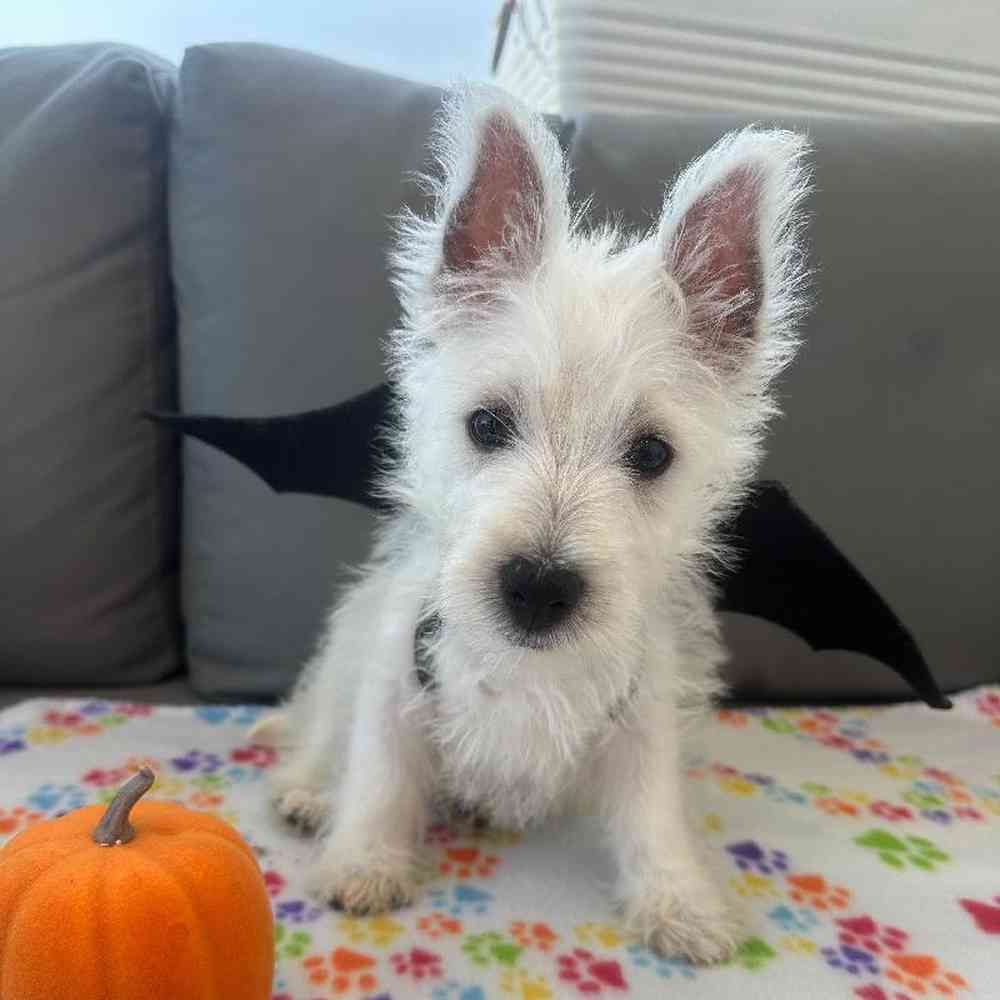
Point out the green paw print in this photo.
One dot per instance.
(898, 852)
(777, 725)
(814, 788)
(290, 945)
(922, 800)
(482, 949)
(209, 782)
(754, 954)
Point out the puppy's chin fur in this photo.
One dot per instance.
(512, 725)
(589, 343)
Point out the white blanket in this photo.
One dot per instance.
(862, 844)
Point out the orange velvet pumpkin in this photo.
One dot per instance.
(144, 901)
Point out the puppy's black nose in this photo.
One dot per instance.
(538, 596)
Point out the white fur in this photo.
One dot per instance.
(589, 345)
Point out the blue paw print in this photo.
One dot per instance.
(235, 715)
(453, 990)
(246, 715)
(461, 899)
(214, 715)
(236, 774)
(65, 797)
(794, 920)
(665, 968)
(853, 729)
(781, 794)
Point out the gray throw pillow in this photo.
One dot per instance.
(87, 490)
(285, 170)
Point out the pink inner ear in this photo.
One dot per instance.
(716, 257)
(502, 208)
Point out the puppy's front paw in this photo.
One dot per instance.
(701, 928)
(302, 808)
(363, 891)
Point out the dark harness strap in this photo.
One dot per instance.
(423, 663)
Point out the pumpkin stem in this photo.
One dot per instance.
(114, 827)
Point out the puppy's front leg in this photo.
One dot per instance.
(669, 897)
(368, 862)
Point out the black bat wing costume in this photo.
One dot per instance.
(789, 571)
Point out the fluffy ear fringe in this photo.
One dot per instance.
(774, 165)
(418, 259)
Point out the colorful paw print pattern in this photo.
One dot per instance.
(842, 834)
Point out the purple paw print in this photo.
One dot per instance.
(11, 746)
(870, 756)
(297, 911)
(750, 856)
(852, 960)
(937, 815)
(195, 760)
(96, 708)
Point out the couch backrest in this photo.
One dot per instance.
(88, 533)
(284, 170)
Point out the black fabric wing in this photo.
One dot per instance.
(335, 451)
(789, 572)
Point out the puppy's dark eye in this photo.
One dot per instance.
(649, 456)
(490, 429)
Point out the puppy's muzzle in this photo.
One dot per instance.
(539, 596)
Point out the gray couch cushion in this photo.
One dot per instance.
(893, 407)
(285, 169)
(87, 490)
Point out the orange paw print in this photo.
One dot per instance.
(439, 925)
(344, 971)
(730, 717)
(838, 807)
(206, 801)
(464, 862)
(921, 974)
(17, 818)
(815, 891)
(533, 935)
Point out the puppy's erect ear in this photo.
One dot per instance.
(730, 235)
(502, 194)
(498, 189)
(502, 211)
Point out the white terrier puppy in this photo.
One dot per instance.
(578, 411)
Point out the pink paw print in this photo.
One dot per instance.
(275, 882)
(418, 963)
(986, 916)
(255, 755)
(589, 974)
(864, 932)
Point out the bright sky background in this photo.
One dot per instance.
(434, 41)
